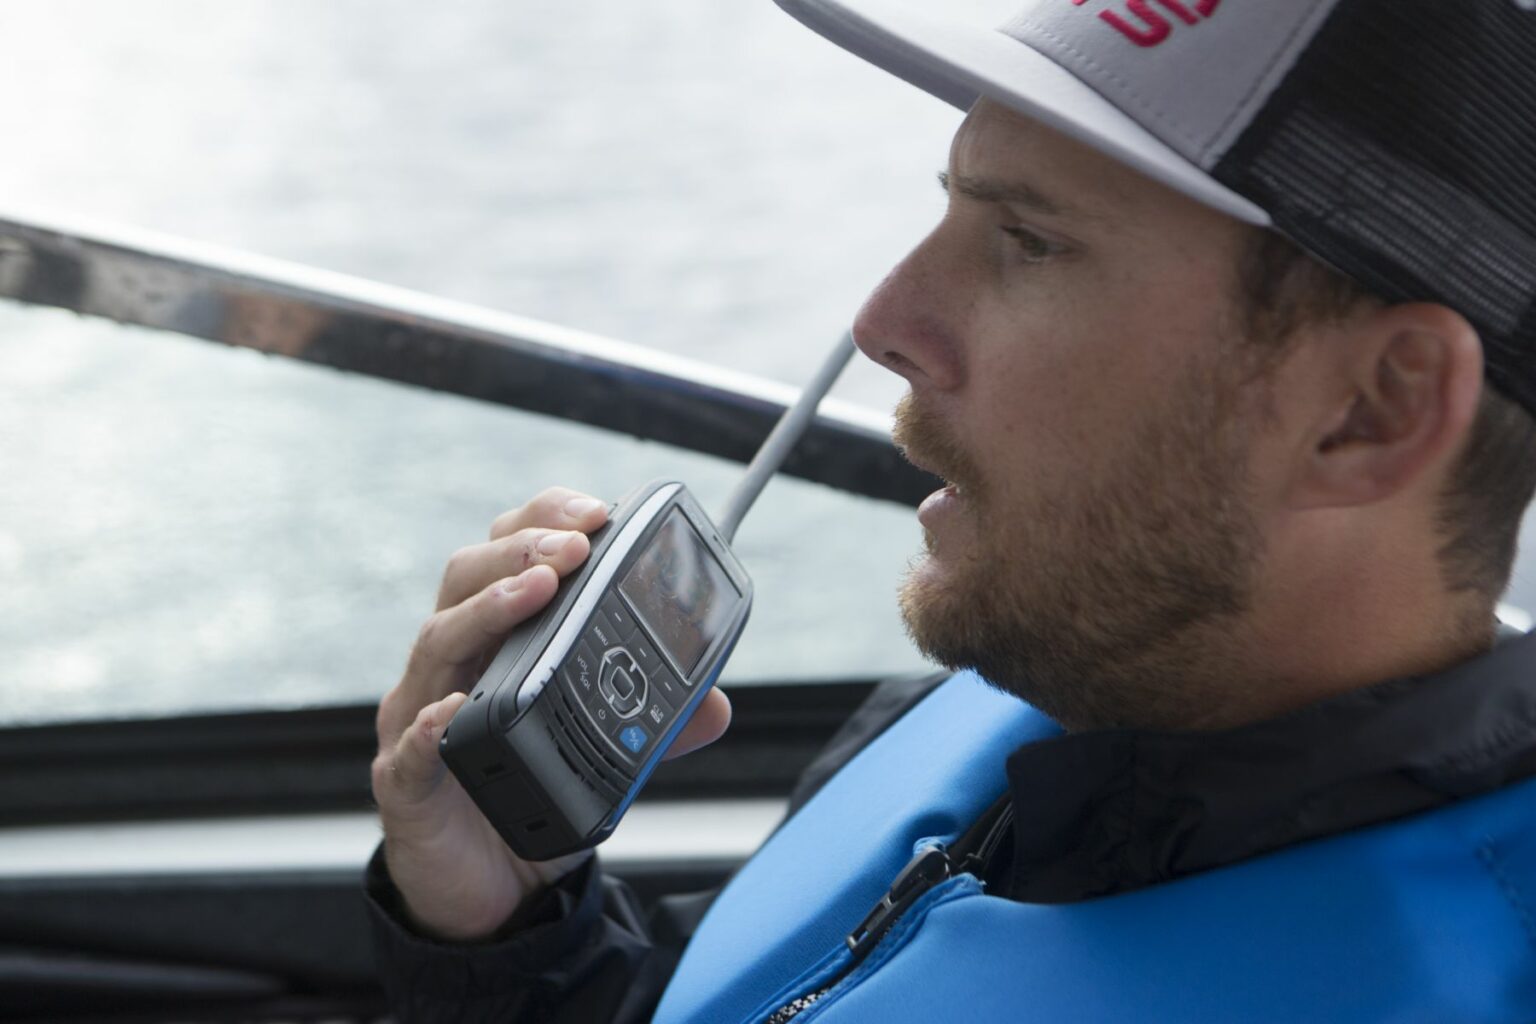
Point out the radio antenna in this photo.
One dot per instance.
(783, 438)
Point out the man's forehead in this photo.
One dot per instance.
(1004, 150)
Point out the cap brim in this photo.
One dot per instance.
(959, 63)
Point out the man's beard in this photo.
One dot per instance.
(1108, 602)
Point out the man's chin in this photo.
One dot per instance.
(933, 586)
(939, 605)
(952, 558)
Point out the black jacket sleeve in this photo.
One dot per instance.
(585, 952)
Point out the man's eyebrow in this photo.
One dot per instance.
(984, 191)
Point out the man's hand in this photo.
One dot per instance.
(459, 880)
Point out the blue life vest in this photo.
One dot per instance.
(1428, 918)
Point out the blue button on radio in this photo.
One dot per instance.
(635, 738)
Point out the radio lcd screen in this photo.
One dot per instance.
(680, 592)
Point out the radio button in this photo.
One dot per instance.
(634, 739)
(603, 715)
(645, 654)
(601, 633)
(622, 683)
(665, 684)
(657, 715)
(619, 614)
(594, 702)
(581, 670)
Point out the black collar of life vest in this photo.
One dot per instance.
(1104, 812)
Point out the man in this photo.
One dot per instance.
(1235, 519)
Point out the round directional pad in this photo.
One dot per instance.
(622, 684)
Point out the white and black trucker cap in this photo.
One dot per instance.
(1393, 139)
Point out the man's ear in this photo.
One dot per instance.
(1406, 386)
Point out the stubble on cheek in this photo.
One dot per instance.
(1100, 601)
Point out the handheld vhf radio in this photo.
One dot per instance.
(568, 721)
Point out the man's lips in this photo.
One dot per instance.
(937, 505)
(945, 503)
(941, 503)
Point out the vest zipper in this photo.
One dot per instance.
(789, 1011)
(932, 865)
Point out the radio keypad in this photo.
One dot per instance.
(621, 680)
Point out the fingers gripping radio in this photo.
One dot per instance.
(567, 723)
(579, 705)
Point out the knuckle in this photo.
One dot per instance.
(488, 603)
(525, 549)
(427, 717)
(384, 780)
(551, 503)
(457, 562)
(551, 499)
(507, 521)
(544, 507)
(429, 639)
(490, 624)
(382, 770)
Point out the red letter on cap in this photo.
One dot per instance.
(1157, 27)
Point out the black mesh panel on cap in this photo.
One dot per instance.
(1401, 149)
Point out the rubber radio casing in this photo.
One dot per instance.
(571, 717)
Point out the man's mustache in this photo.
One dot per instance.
(925, 441)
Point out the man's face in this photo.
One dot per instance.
(1069, 334)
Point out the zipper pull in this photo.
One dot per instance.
(930, 867)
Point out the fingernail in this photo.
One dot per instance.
(580, 508)
(551, 543)
(512, 586)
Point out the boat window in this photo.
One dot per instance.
(186, 527)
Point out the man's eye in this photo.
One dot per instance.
(1035, 248)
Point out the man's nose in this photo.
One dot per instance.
(906, 325)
